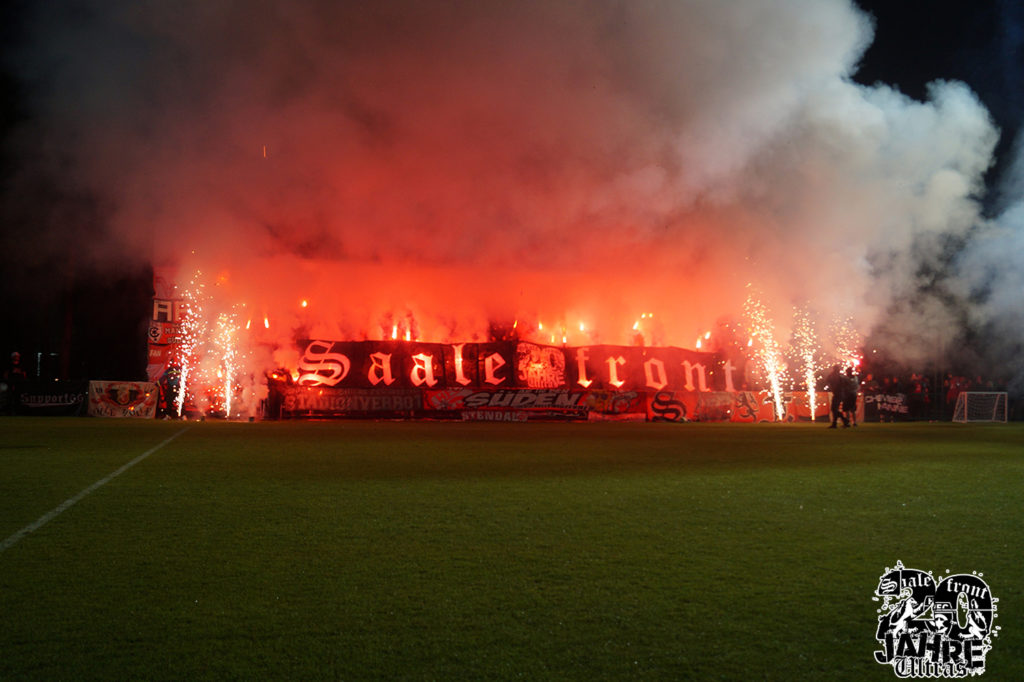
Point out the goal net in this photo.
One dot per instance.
(976, 406)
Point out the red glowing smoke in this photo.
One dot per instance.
(441, 167)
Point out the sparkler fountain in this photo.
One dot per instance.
(846, 342)
(225, 344)
(806, 347)
(211, 351)
(765, 348)
(192, 330)
(224, 349)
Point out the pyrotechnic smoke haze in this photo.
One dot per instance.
(465, 162)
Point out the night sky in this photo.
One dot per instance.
(74, 316)
(981, 44)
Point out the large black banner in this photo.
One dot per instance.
(508, 364)
(63, 398)
(888, 407)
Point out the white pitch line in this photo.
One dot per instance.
(67, 504)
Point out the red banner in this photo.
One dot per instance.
(545, 404)
(616, 405)
(739, 406)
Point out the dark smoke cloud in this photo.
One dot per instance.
(465, 161)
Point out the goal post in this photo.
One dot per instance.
(980, 406)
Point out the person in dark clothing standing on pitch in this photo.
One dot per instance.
(851, 387)
(837, 385)
(14, 379)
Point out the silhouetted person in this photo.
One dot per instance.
(14, 377)
(851, 386)
(835, 384)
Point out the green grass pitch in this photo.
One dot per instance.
(451, 551)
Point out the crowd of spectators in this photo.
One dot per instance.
(928, 396)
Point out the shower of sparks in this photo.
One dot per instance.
(846, 342)
(192, 331)
(213, 352)
(765, 348)
(806, 346)
(225, 343)
(215, 346)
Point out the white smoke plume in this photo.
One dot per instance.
(990, 269)
(463, 162)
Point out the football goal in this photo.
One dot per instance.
(979, 406)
